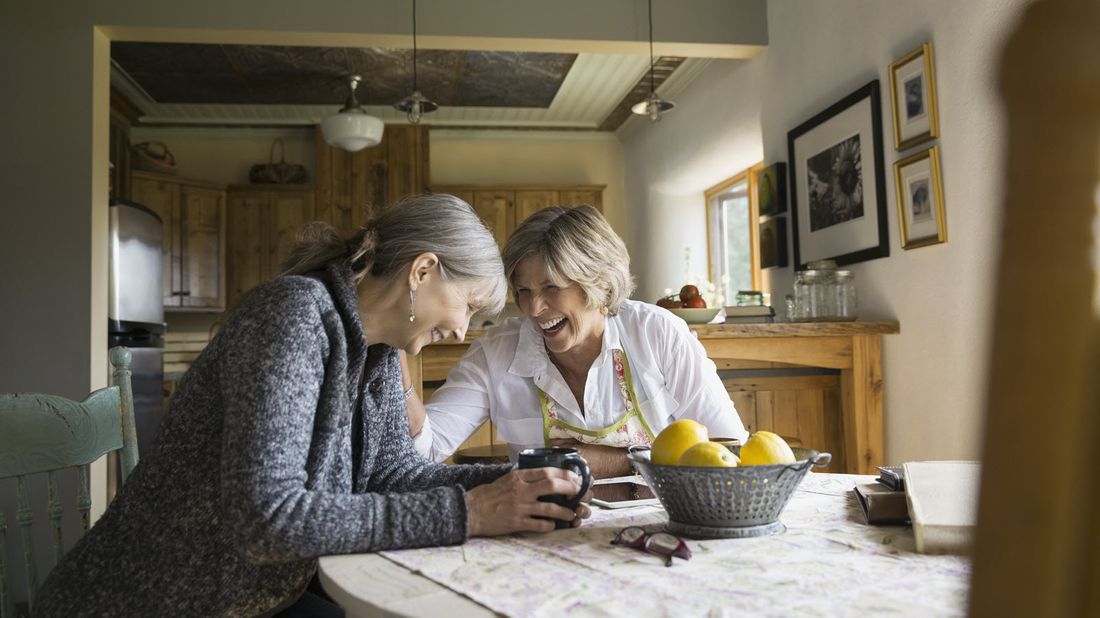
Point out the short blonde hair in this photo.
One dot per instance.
(577, 245)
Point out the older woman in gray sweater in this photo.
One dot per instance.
(288, 438)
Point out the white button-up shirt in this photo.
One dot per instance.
(497, 379)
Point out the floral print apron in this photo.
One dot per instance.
(629, 430)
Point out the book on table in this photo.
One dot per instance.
(881, 505)
(749, 320)
(943, 504)
(746, 311)
(749, 314)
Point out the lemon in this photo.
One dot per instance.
(764, 447)
(708, 454)
(677, 438)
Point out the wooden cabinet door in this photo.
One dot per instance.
(465, 196)
(262, 229)
(202, 243)
(592, 198)
(162, 197)
(497, 210)
(349, 186)
(286, 212)
(530, 202)
(245, 267)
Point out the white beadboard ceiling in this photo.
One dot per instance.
(593, 87)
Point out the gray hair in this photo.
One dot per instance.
(577, 245)
(393, 237)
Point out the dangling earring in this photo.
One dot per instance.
(412, 305)
(603, 310)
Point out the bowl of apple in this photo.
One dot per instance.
(689, 306)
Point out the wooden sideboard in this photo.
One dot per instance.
(820, 382)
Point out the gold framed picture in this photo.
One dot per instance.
(921, 212)
(913, 92)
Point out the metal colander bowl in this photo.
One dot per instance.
(725, 502)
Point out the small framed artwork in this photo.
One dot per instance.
(773, 243)
(771, 189)
(913, 92)
(838, 186)
(921, 212)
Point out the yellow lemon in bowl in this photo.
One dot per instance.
(675, 439)
(708, 454)
(764, 447)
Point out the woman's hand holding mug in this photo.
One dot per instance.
(545, 492)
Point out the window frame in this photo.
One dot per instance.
(712, 197)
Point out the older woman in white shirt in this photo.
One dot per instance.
(586, 367)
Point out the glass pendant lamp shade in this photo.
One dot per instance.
(352, 128)
(416, 104)
(653, 106)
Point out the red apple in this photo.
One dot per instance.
(695, 302)
(669, 302)
(688, 292)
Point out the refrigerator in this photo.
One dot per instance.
(136, 308)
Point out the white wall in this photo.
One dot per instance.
(935, 370)
(713, 133)
(523, 157)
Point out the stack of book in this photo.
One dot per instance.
(883, 502)
(940, 498)
(749, 314)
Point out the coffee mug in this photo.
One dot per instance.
(567, 458)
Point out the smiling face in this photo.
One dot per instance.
(443, 308)
(443, 311)
(560, 312)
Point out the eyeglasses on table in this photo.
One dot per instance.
(658, 543)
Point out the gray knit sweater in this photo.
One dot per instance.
(264, 462)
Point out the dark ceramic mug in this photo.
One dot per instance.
(567, 458)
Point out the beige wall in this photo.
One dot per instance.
(935, 370)
(521, 157)
(225, 155)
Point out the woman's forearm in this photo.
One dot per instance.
(413, 406)
(604, 461)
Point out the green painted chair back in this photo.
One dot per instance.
(44, 434)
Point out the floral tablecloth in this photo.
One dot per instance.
(827, 563)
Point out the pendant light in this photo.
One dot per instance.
(352, 128)
(415, 105)
(653, 106)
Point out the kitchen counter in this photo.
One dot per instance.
(844, 415)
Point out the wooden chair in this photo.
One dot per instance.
(45, 433)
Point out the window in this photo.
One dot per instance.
(733, 236)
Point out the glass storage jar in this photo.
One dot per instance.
(749, 298)
(845, 295)
(823, 293)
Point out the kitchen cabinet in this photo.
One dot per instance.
(349, 185)
(263, 225)
(503, 207)
(193, 250)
